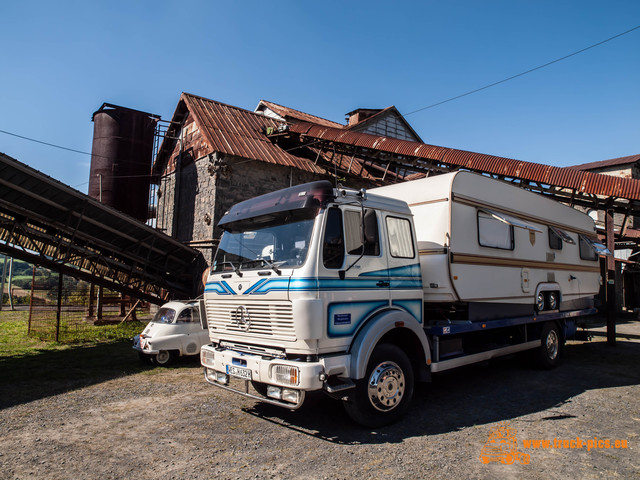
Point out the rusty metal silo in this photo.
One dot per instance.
(121, 158)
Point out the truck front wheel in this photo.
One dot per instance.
(384, 394)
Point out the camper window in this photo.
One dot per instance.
(400, 237)
(555, 240)
(493, 232)
(587, 252)
(509, 220)
(557, 236)
(590, 248)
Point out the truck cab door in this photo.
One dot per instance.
(403, 265)
(354, 275)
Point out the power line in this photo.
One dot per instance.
(44, 143)
(65, 148)
(523, 73)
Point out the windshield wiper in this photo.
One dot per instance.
(272, 265)
(235, 269)
(265, 262)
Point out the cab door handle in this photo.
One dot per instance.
(382, 283)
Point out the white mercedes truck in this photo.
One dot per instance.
(360, 294)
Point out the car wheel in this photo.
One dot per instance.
(164, 358)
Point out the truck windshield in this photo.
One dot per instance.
(274, 244)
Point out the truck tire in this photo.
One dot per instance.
(552, 300)
(164, 358)
(384, 394)
(548, 354)
(541, 302)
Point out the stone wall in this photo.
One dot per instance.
(207, 189)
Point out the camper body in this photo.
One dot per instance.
(360, 294)
(491, 250)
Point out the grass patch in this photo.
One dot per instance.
(31, 368)
(14, 340)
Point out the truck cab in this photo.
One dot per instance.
(316, 288)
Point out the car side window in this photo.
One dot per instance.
(185, 316)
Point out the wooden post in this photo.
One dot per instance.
(11, 283)
(59, 307)
(92, 295)
(33, 284)
(611, 283)
(100, 301)
(4, 275)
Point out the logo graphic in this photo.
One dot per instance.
(502, 446)
(242, 318)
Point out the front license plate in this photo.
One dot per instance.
(238, 372)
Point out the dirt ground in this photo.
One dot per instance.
(169, 423)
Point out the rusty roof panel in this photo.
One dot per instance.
(586, 182)
(239, 132)
(614, 162)
(290, 113)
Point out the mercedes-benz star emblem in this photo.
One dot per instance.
(242, 318)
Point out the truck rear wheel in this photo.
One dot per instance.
(540, 302)
(384, 394)
(552, 300)
(548, 354)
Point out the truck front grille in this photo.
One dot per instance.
(272, 319)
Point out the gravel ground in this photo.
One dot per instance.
(168, 423)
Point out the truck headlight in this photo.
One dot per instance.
(286, 374)
(207, 358)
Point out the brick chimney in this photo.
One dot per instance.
(360, 115)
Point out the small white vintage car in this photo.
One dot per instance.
(175, 331)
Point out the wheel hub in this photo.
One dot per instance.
(386, 386)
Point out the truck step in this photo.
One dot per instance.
(345, 384)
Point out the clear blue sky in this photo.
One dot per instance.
(61, 60)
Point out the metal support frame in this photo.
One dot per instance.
(611, 284)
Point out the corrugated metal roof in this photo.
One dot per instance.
(290, 113)
(614, 162)
(233, 131)
(584, 182)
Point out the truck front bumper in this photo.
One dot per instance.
(283, 382)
